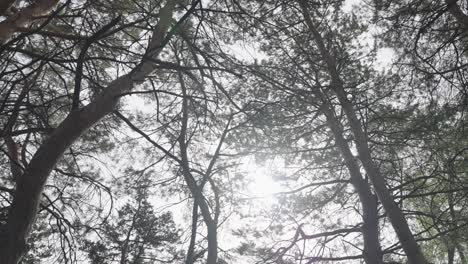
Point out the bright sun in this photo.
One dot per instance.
(260, 177)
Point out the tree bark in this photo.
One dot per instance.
(5, 6)
(370, 229)
(24, 18)
(195, 189)
(399, 223)
(190, 258)
(31, 184)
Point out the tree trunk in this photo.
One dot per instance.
(24, 17)
(370, 229)
(394, 213)
(399, 223)
(195, 189)
(5, 5)
(190, 258)
(31, 184)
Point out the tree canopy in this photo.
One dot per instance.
(233, 131)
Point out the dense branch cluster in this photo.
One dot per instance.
(233, 131)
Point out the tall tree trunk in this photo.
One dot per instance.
(195, 189)
(190, 258)
(31, 184)
(461, 254)
(370, 229)
(454, 238)
(396, 216)
(450, 253)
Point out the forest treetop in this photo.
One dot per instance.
(233, 131)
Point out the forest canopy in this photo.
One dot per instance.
(233, 131)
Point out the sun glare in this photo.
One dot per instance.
(260, 177)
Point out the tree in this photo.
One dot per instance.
(30, 185)
(394, 213)
(138, 236)
(138, 131)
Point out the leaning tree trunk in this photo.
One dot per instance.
(31, 184)
(370, 229)
(396, 216)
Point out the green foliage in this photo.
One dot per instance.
(137, 235)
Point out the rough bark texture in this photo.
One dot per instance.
(394, 213)
(5, 6)
(24, 18)
(31, 184)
